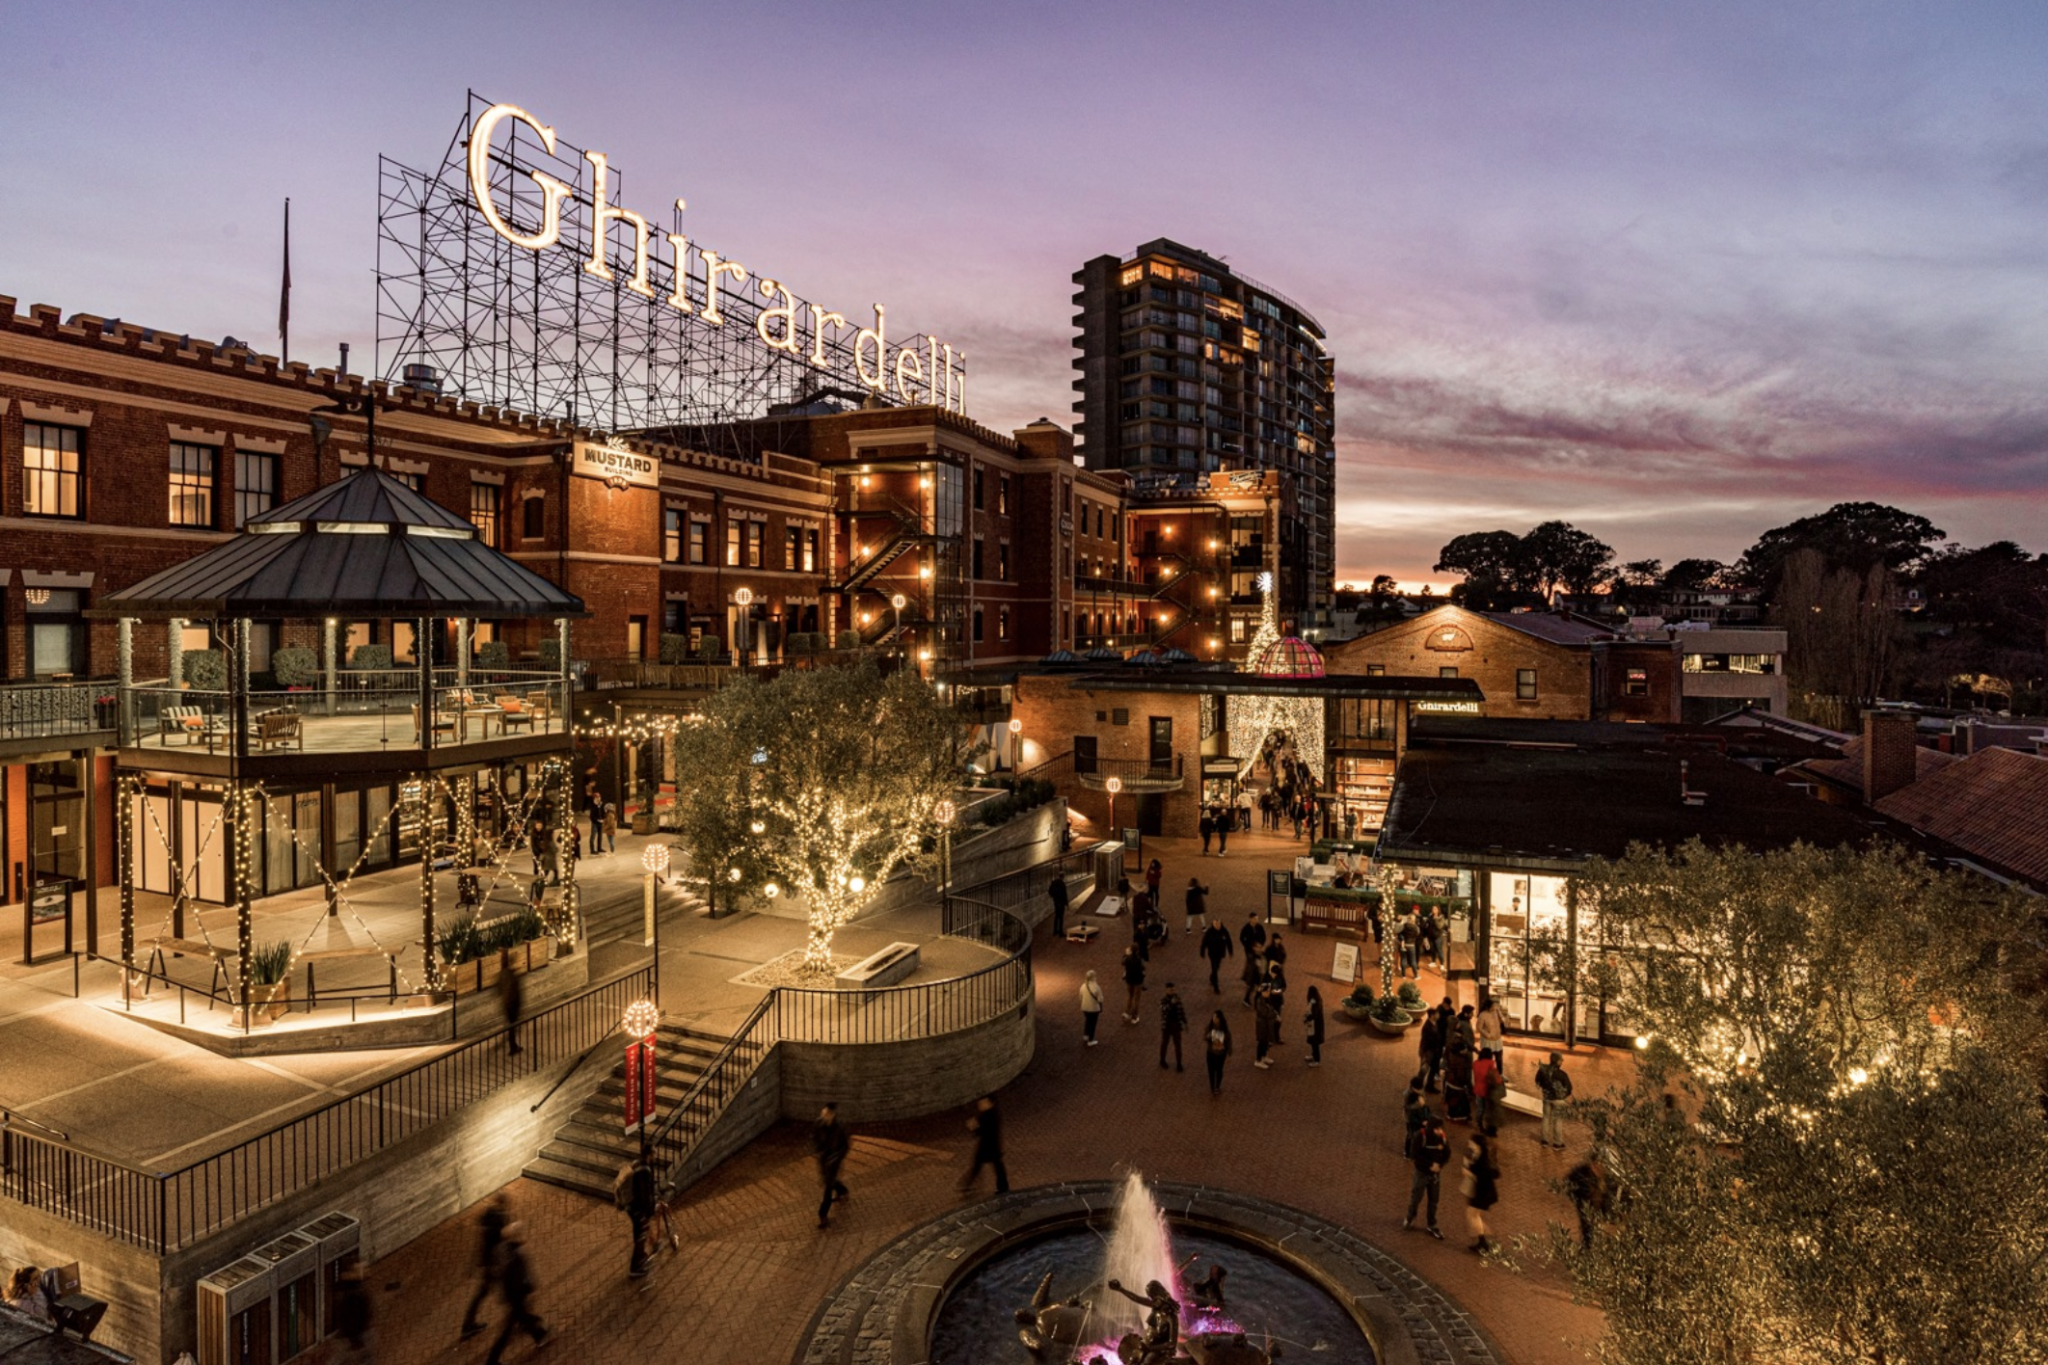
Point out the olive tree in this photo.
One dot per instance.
(1835, 1147)
(821, 783)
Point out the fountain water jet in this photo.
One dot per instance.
(1140, 1251)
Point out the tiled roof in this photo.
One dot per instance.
(1993, 805)
(1848, 769)
(1562, 630)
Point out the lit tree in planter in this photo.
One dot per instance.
(821, 783)
(1835, 1150)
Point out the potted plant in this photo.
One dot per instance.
(1358, 1004)
(364, 657)
(295, 667)
(270, 994)
(462, 943)
(493, 657)
(206, 670)
(535, 944)
(1388, 1017)
(1410, 996)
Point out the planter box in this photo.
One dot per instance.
(1391, 1030)
(481, 974)
(1358, 1013)
(270, 1007)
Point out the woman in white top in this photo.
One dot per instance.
(1487, 1025)
(25, 1293)
(1091, 1006)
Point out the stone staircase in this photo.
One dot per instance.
(587, 1151)
(620, 917)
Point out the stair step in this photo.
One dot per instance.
(570, 1177)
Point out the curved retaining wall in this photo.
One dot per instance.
(871, 1082)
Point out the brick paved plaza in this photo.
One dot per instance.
(754, 1266)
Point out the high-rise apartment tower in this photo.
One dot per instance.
(1187, 368)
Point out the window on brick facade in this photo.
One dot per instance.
(1003, 561)
(1637, 683)
(810, 551)
(1002, 623)
(1447, 672)
(534, 519)
(672, 534)
(1525, 684)
(977, 558)
(483, 511)
(792, 546)
(757, 535)
(256, 485)
(1003, 495)
(700, 542)
(52, 470)
(1084, 754)
(411, 481)
(977, 625)
(732, 543)
(1375, 670)
(977, 488)
(192, 469)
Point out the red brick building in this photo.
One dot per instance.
(1529, 664)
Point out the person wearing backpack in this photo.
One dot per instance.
(1556, 1087)
(633, 1191)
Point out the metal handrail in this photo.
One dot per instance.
(563, 1079)
(739, 1051)
(8, 1118)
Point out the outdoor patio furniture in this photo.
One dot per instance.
(443, 724)
(277, 729)
(537, 703)
(189, 721)
(513, 713)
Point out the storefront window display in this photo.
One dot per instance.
(1363, 788)
(1529, 919)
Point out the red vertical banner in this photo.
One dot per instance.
(639, 1083)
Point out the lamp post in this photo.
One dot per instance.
(896, 637)
(641, 1021)
(1113, 786)
(745, 598)
(1016, 744)
(654, 858)
(946, 811)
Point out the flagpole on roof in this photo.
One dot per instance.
(284, 297)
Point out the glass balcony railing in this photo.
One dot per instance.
(361, 714)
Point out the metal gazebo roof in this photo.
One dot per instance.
(365, 546)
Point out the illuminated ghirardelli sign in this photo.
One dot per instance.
(933, 373)
(616, 465)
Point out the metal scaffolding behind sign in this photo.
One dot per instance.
(535, 329)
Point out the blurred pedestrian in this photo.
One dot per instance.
(1414, 1109)
(1206, 827)
(1154, 876)
(1314, 1020)
(1058, 892)
(512, 998)
(515, 1285)
(1482, 1188)
(1458, 1082)
(352, 1318)
(1216, 946)
(640, 1202)
(1432, 1046)
(1197, 906)
(1587, 1185)
(1253, 974)
(1216, 1047)
(987, 1127)
(1173, 1022)
(490, 1237)
(537, 842)
(1555, 1086)
(1487, 1084)
(1091, 1006)
(831, 1145)
(1223, 831)
(1134, 983)
(1427, 1154)
(1253, 934)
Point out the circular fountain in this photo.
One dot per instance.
(1128, 1274)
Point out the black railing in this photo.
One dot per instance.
(896, 1014)
(714, 1089)
(53, 710)
(166, 1211)
(1012, 891)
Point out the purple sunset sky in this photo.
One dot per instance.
(1675, 273)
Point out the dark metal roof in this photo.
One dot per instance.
(1233, 684)
(366, 546)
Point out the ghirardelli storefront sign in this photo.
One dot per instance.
(616, 465)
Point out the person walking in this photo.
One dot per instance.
(1427, 1154)
(1487, 1083)
(1266, 1026)
(1197, 907)
(352, 1318)
(515, 1286)
(537, 844)
(1586, 1183)
(1314, 1020)
(1253, 973)
(640, 1202)
(611, 827)
(1173, 1022)
(1458, 1082)
(1414, 1109)
(595, 805)
(1058, 892)
(1482, 1188)
(1555, 1086)
(511, 998)
(1276, 986)
(1410, 938)
(987, 1127)
(831, 1144)
(1432, 937)
(1276, 950)
(490, 1240)
(1154, 876)
(1464, 1036)
(1253, 934)
(1432, 1047)
(1206, 826)
(1489, 1026)
(1216, 1050)
(1216, 945)
(1134, 983)
(1223, 818)
(1141, 924)
(1091, 1006)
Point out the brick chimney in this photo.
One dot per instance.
(1889, 741)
